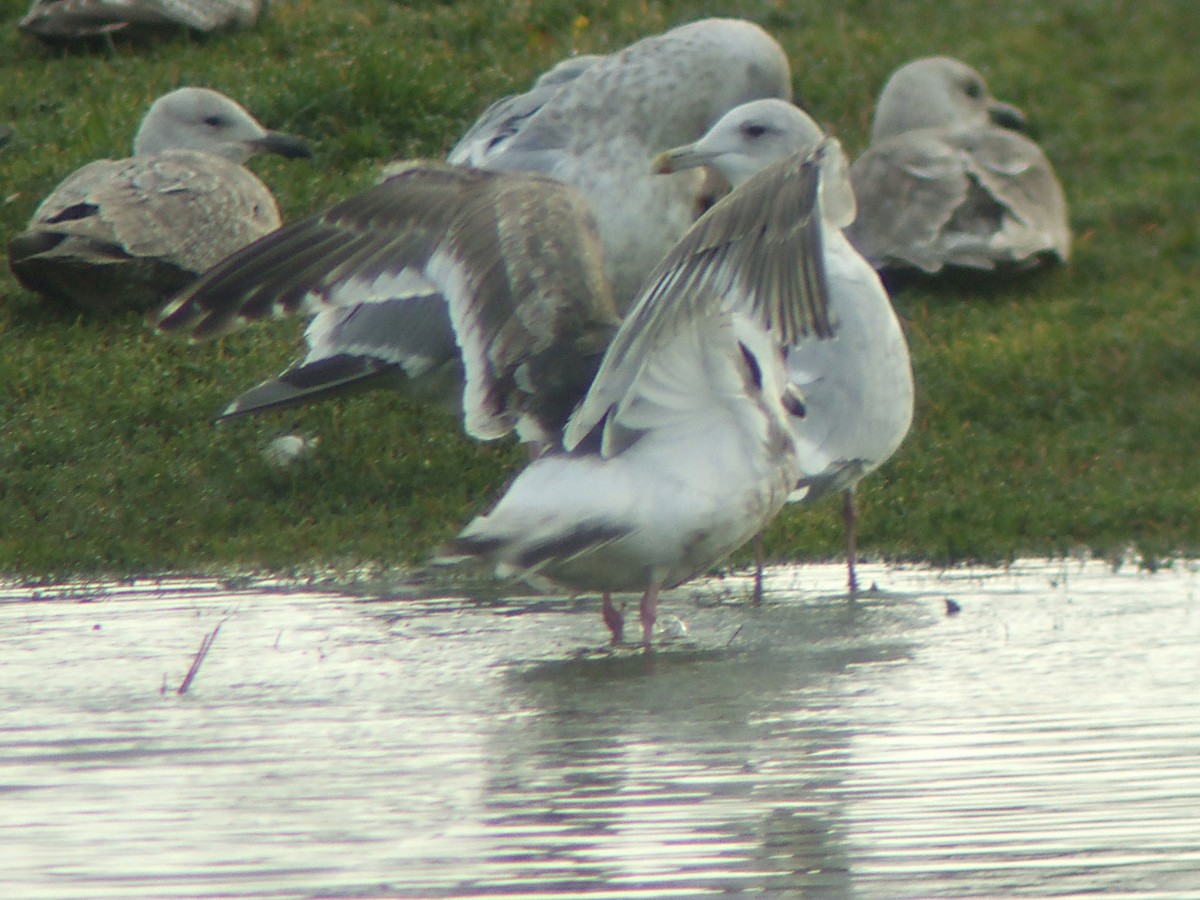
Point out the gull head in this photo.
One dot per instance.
(746, 140)
(193, 118)
(755, 135)
(938, 92)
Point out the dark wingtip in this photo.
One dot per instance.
(28, 244)
(176, 315)
(310, 382)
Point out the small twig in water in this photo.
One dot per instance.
(205, 646)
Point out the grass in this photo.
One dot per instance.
(1056, 414)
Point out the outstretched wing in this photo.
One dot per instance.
(490, 246)
(758, 252)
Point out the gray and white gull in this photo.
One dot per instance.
(129, 233)
(594, 123)
(683, 447)
(67, 20)
(857, 387)
(950, 181)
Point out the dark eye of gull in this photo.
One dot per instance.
(754, 129)
(214, 121)
(973, 89)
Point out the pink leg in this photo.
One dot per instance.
(758, 568)
(649, 614)
(613, 619)
(850, 515)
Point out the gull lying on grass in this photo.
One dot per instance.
(948, 181)
(65, 20)
(858, 386)
(128, 233)
(602, 128)
(595, 124)
(683, 448)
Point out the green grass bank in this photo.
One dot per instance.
(1055, 415)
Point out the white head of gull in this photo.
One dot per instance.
(128, 233)
(67, 20)
(682, 449)
(949, 180)
(857, 388)
(594, 123)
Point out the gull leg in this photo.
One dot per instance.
(613, 618)
(649, 615)
(850, 515)
(758, 569)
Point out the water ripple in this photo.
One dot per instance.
(425, 743)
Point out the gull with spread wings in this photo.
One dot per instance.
(684, 446)
(857, 387)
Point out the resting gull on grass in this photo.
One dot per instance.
(858, 386)
(949, 181)
(683, 448)
(594, 124)
(67, 20)
(129, 233)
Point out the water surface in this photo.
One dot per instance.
(1043, 741)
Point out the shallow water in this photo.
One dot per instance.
(1044, 741)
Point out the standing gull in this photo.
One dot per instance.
(682, 449)
(595, 124)
(858, 386)
(65, 20)
(128, 233)
(949, 181)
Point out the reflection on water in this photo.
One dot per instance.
(1045, 741)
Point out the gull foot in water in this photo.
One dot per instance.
(614, 619)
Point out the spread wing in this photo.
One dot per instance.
(758, 252)
(485, 246)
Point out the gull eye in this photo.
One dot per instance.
(754, 130)
(214, 121)
(973, 89)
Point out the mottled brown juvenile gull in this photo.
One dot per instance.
(595, 124)
(949, 181)
(682, 449)
(65, 20)
(128, 233)
(502, 274)
(857, 387)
